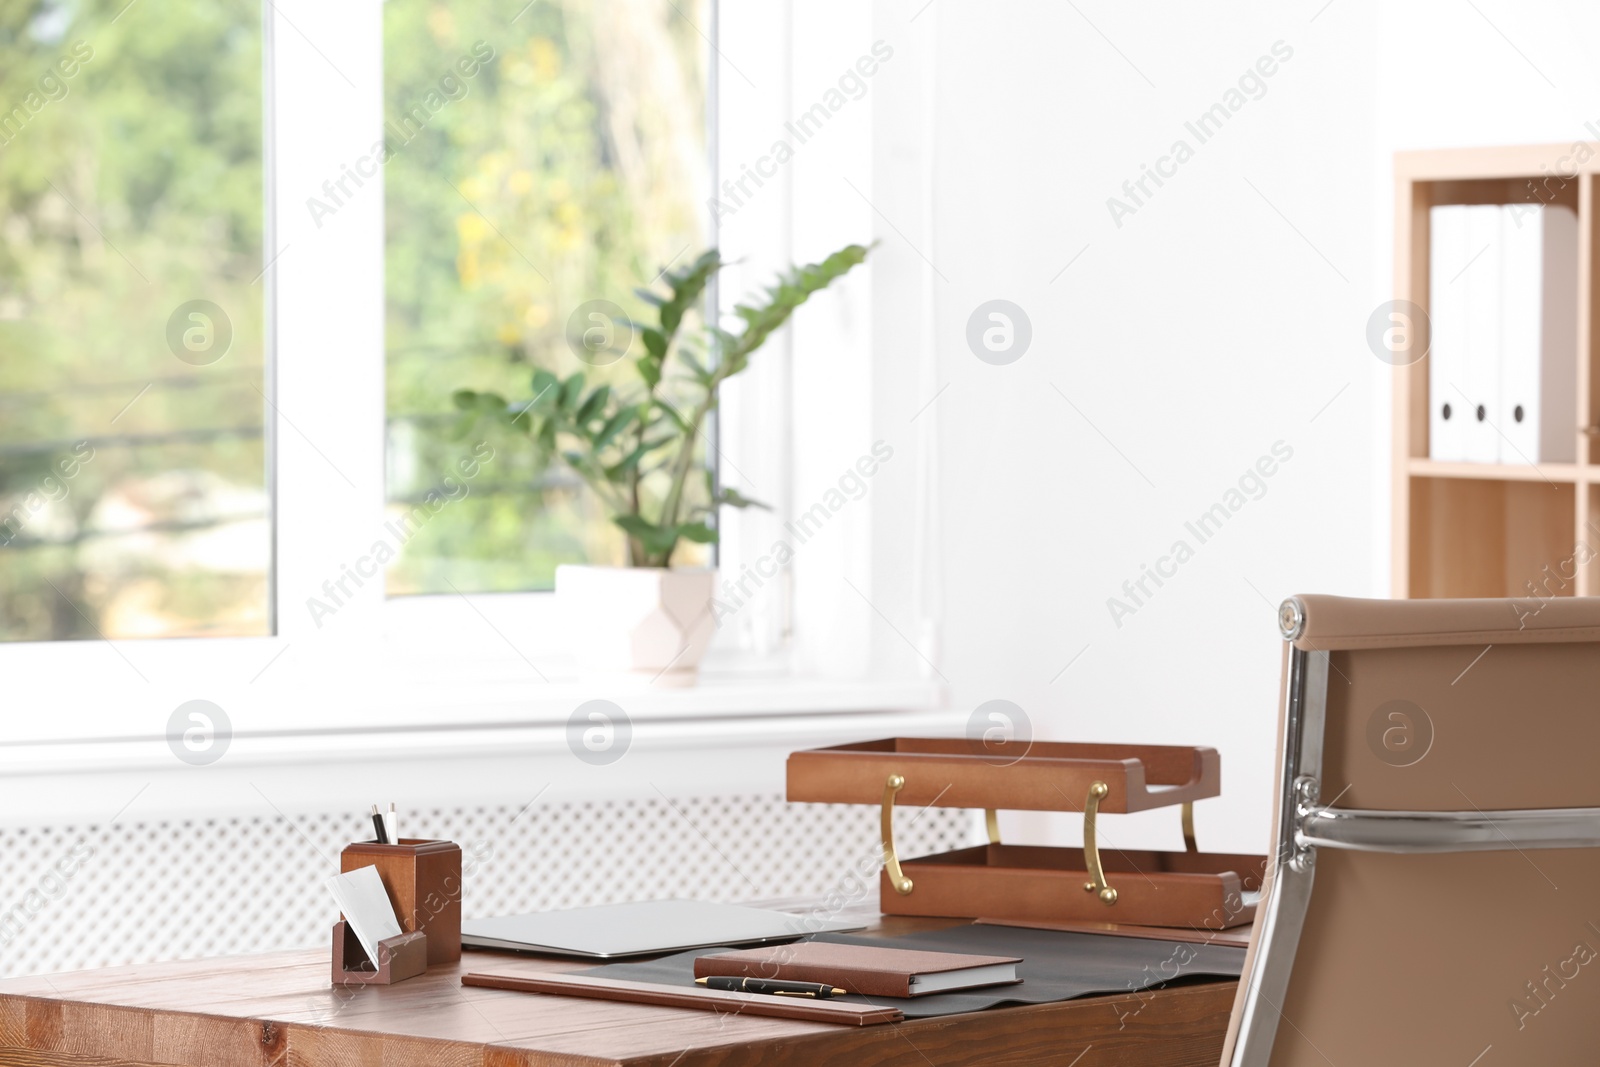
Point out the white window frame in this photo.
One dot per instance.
(418, 662)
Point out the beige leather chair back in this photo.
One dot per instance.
(1434, 895)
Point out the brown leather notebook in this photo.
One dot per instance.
(868, 970)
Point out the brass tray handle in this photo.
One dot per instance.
(1096, 884)
(891, 862)
(1091, 852)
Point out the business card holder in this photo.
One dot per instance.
(400, 957)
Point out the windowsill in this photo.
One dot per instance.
(510, 716)
(717, 695)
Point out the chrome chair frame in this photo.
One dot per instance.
(1305, 824)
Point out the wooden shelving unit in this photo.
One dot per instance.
(1494, 529)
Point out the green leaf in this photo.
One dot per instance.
(544, 385)
(572, 389)
(657, 540)
(633, 524)
(698, 532)
(614, 425)
(700, 373)
(649, 369)
(792, 290)
(673, 414)
(474, 405)
(632, 459)
(735, 499)
(655, 342)
(649, 364)
(687, 285)
(671, 317)
(721, 339)
(593, 405)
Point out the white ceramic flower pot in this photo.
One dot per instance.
(645, 624)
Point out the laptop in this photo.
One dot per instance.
(643, 928)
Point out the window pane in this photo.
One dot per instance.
(133, 487)
(534, 167)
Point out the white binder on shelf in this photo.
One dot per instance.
(1537, 415)
(1484, 282)
(1447, 315)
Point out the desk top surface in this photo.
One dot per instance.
(280, 1009)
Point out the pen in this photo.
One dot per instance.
(820, 990)
(391, 824)
(377, 826)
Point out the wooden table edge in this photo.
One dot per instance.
(1124, 1025)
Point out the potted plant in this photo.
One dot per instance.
(637, 448)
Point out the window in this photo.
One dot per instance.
(248, 494)
(539, 172)
(134, 496)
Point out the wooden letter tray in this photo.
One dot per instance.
(1187, 889)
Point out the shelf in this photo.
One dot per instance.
(1479, 537)
(1500, 472)
(1518, 530)
(1442, 165)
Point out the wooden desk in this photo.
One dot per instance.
(280, 1011)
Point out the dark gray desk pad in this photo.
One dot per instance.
(1056, 965)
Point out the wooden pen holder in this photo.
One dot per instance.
(423, 879)
(399, 958)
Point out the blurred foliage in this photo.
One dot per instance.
(569, 165)
(130, 184)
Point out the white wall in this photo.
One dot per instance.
(1518, 73)
(1226, 314)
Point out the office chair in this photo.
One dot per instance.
(1433, 896)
